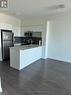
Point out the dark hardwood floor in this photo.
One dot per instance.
(44, 77)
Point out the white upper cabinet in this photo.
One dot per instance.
(37, 28)
(16, 30)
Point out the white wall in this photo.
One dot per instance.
(59, 42)
(10, 22)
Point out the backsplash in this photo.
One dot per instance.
(27, 40)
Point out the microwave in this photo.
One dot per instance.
(28, 34)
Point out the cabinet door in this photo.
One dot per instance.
(35, 28)
(16, 31)
(37, 34)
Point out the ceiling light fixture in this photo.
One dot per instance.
(3, 3)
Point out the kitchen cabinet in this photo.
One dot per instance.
(16, 31)
(36, 28)
(22, 56)
(36, 34)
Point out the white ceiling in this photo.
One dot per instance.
(27, 8)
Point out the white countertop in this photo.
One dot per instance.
(24, 47)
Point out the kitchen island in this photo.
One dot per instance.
(22, 56)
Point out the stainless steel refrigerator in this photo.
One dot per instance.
(6, 41)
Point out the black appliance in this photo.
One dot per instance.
(28, 34)
(6, 43)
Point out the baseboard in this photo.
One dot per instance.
(57, 60)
